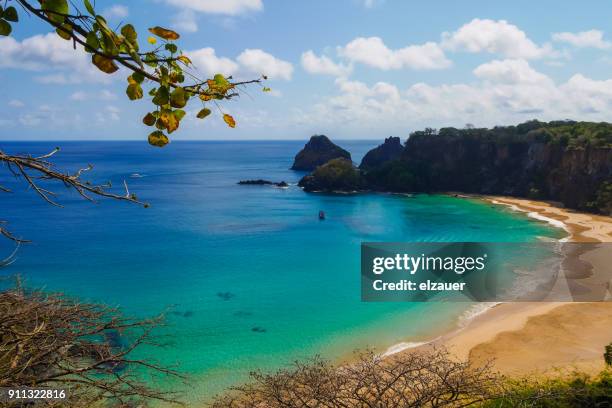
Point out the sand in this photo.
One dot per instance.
(544, 337)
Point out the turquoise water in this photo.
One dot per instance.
(293, 277)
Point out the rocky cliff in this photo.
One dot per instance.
(319, 150)
(569, 162)
(391, 149)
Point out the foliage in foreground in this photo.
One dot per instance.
(48, 340)
(419, 379)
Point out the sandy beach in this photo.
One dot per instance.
(543, 337)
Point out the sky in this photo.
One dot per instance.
(350, 69)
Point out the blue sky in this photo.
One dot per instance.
(347, 68)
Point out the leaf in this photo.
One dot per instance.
(179, 114)
(130, 34)
(164, 33)
(161, 97)
(229, 120)
(205, 97)
(104, 64)
(152, 40)
(138, 77)
(92, 42)
(184, 59)
(149, 119)
(5, 28)
(158, 139)
(171, 47)
(221, 81)
(10, 14)
(65, 31)
(168, 120)
(89, 7)
(134, 91)
(178, 98)
(266, 89)
(55, 9)
(203, 113)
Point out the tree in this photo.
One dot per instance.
(162, 68)
(49, 340)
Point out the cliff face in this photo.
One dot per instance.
(561, 161)
(391, 149)
(319, 150)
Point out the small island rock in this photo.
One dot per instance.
(319, 150)
(391, 149)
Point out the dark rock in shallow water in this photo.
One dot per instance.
(225, 295)
(336, 175)
(261, 182)
(258, 329)
(391, 149)
(319, 150)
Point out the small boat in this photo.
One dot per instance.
(136, 175)
(321, 215)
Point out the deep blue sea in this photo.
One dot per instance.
(283, 271)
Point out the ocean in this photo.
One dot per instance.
(251, 278)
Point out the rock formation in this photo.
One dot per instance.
(319, 150)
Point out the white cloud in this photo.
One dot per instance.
(583, 39)
(323, 65)
(16, 103)
(50, 53)
(504, 92)
(206, 62)
(509, 71)
(372, 3)
(107, 95)
(229, 7)
(372, 51)
(116, 11)
(260, 62)
(496, 37)
(79, 96)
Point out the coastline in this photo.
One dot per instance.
(538, 337)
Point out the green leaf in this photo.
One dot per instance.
(5, 28)
(64, 31)
(203, 113)
(134, 91)
(266, 89)
(179, 114)
(92, 42)
(130, 34)
(171, 47)
(104, 64)
(152, 91)
(89, 7)
(162, 96)
(149, 119)
(158, 139)
(164, 33)
(150, 60)
(178, 98)
(54, 9)
(221, 81)
(10, 14)
(138, 77)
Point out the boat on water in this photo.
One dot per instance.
(136, 175)
(321, 215)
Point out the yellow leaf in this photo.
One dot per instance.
(152, 40)
(164, 33)
(158, 139)
(205, 97)
(229, 120)
(184, 59)
(149, 119)
(104, 64)
(203, 113)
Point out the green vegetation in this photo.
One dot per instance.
(335, 175)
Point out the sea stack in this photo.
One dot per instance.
(391, 149)
(319, 150)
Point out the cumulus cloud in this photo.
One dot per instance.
(227, 7)
(495, 37)
(206, 62)
(509, 71)
(372, 51)
(503, 92)
(116, 11)
(16, 103)
(46, 53)
(583, 39)
(260, 62)
(323, 65)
